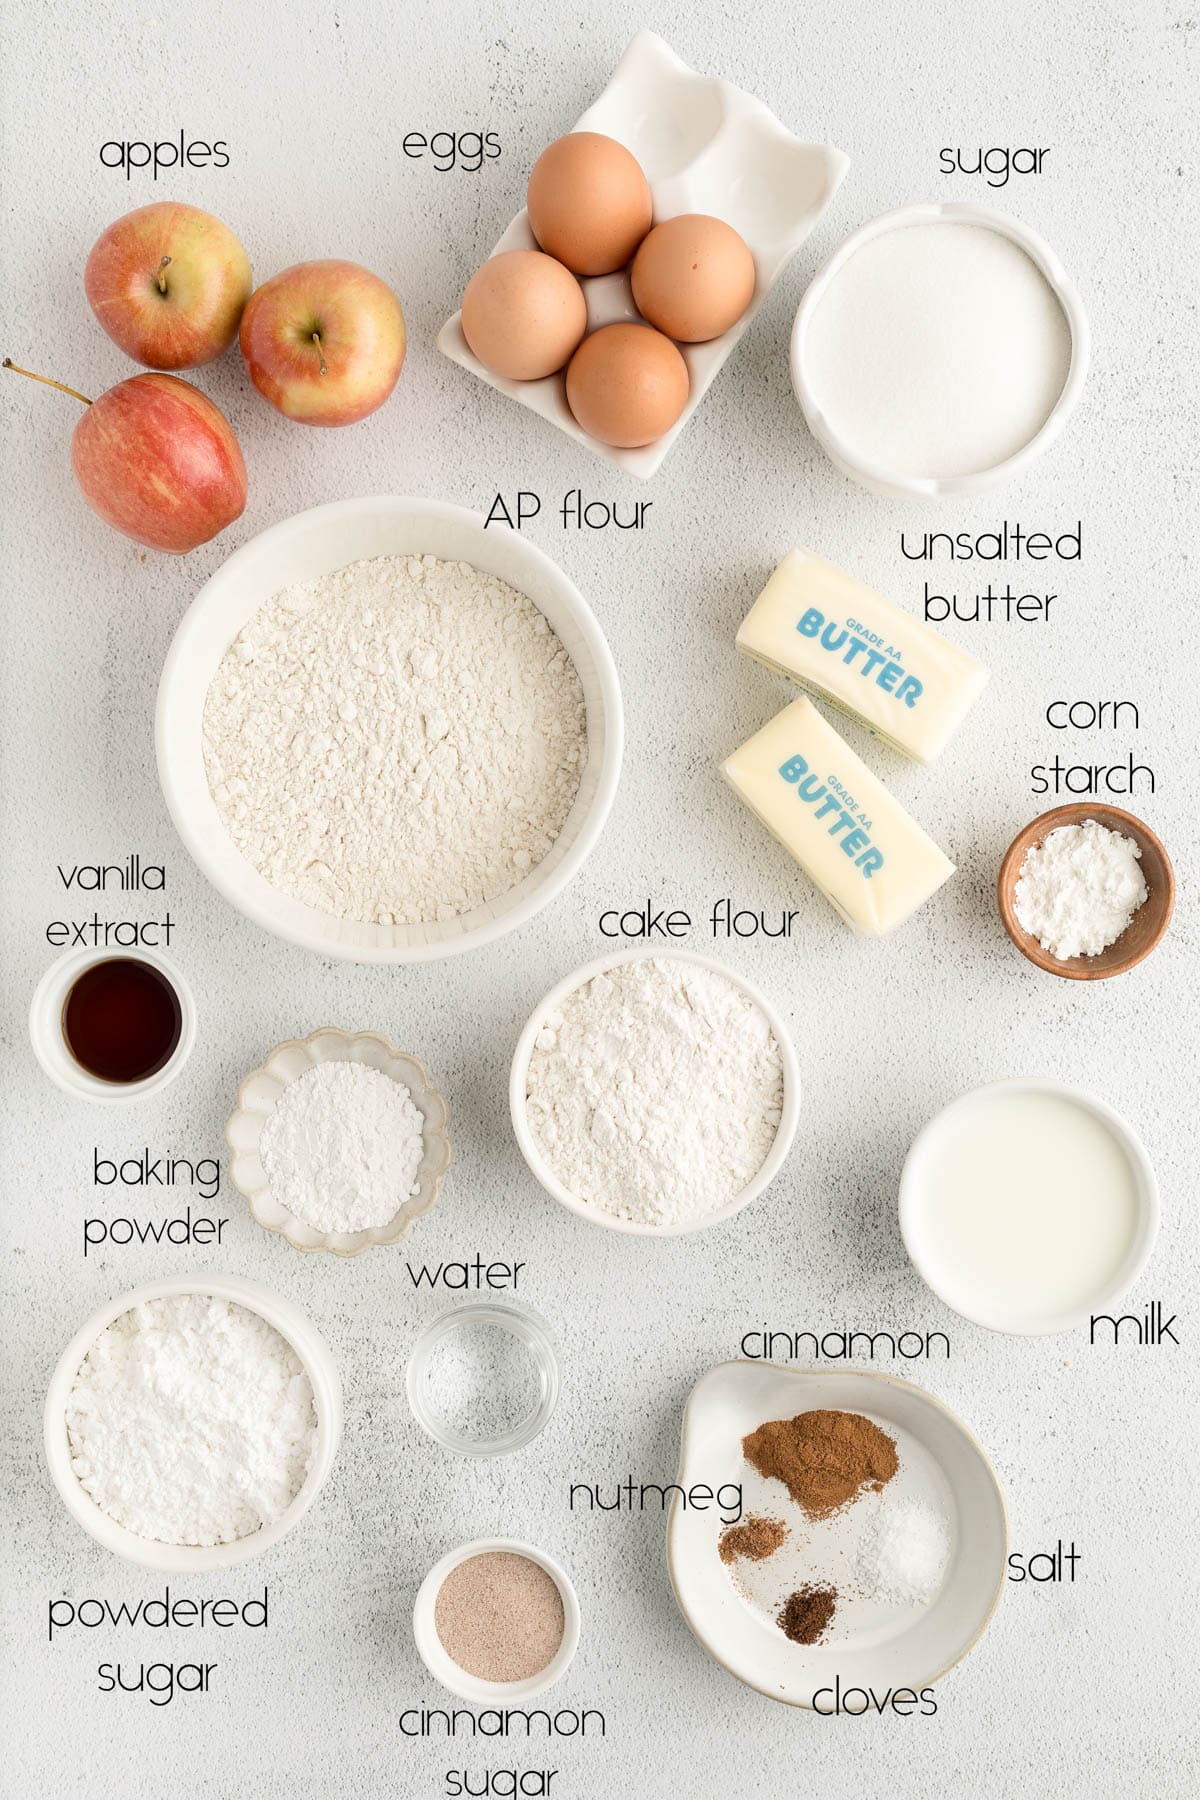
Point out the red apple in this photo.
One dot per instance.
(157, 460)
(168, 283)
(324, 342)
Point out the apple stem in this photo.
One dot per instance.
(320, 352)
(162, 280)
(16, 368)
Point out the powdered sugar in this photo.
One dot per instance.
(342, 1147)
(191, 1421)
(655, 1091)
(1078, 890)
(399, 742)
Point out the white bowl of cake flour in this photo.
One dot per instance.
(388, 733)
(655, 1094)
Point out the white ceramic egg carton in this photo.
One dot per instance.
(705, 147)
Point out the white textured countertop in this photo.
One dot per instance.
(1086, 1690)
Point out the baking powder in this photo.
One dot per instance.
(191, 1421)
(655, 1091)
(342, 1147)
(397, 743)
(1079, 888)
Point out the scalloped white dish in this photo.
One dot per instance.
(871, 1644)
(706, 146)
(261, 1089)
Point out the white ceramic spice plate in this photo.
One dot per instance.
(305, 548)
(256, 1100)
(706, 147)
(869, 1645)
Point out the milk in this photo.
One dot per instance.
(1020, 1207)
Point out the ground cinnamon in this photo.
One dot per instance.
(754, 1539)
(824, 1459)
(806, 1614)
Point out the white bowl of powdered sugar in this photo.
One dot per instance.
(191, 1423)
(387, 732)
(655, 1094)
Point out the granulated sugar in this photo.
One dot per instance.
(342, 1146)
(655, 1091)
(500, 1616)
(937, 349)
(397, 743)
(191, 1421)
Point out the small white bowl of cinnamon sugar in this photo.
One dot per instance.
(496, 1620)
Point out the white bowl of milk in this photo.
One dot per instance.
(1028, 1206)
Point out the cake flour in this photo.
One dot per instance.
(191, 1421)
(397, 743)
(342, 1146)
(1078, 890)
(655, 1091)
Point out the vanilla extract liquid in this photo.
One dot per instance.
(122, 1020)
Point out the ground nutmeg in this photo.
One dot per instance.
(753, 1540)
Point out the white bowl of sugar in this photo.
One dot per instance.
(305, 803)
(939, 351)
(170, 1319)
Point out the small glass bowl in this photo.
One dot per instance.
(529, 1329)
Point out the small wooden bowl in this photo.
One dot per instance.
(1149, 922)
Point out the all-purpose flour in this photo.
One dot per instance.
(342, 1147)
(655, 1091)
(399, 742)
(191, 1421)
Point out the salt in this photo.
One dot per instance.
(937, 350)
(903, 1553)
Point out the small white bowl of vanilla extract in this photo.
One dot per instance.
(112, 1027)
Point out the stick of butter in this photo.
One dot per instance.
(869, 859)
(857, 650)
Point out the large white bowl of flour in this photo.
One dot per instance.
(310, 549)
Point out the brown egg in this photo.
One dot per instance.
(693, 277)
(523, 314)
(627, 384)
(589, 203)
